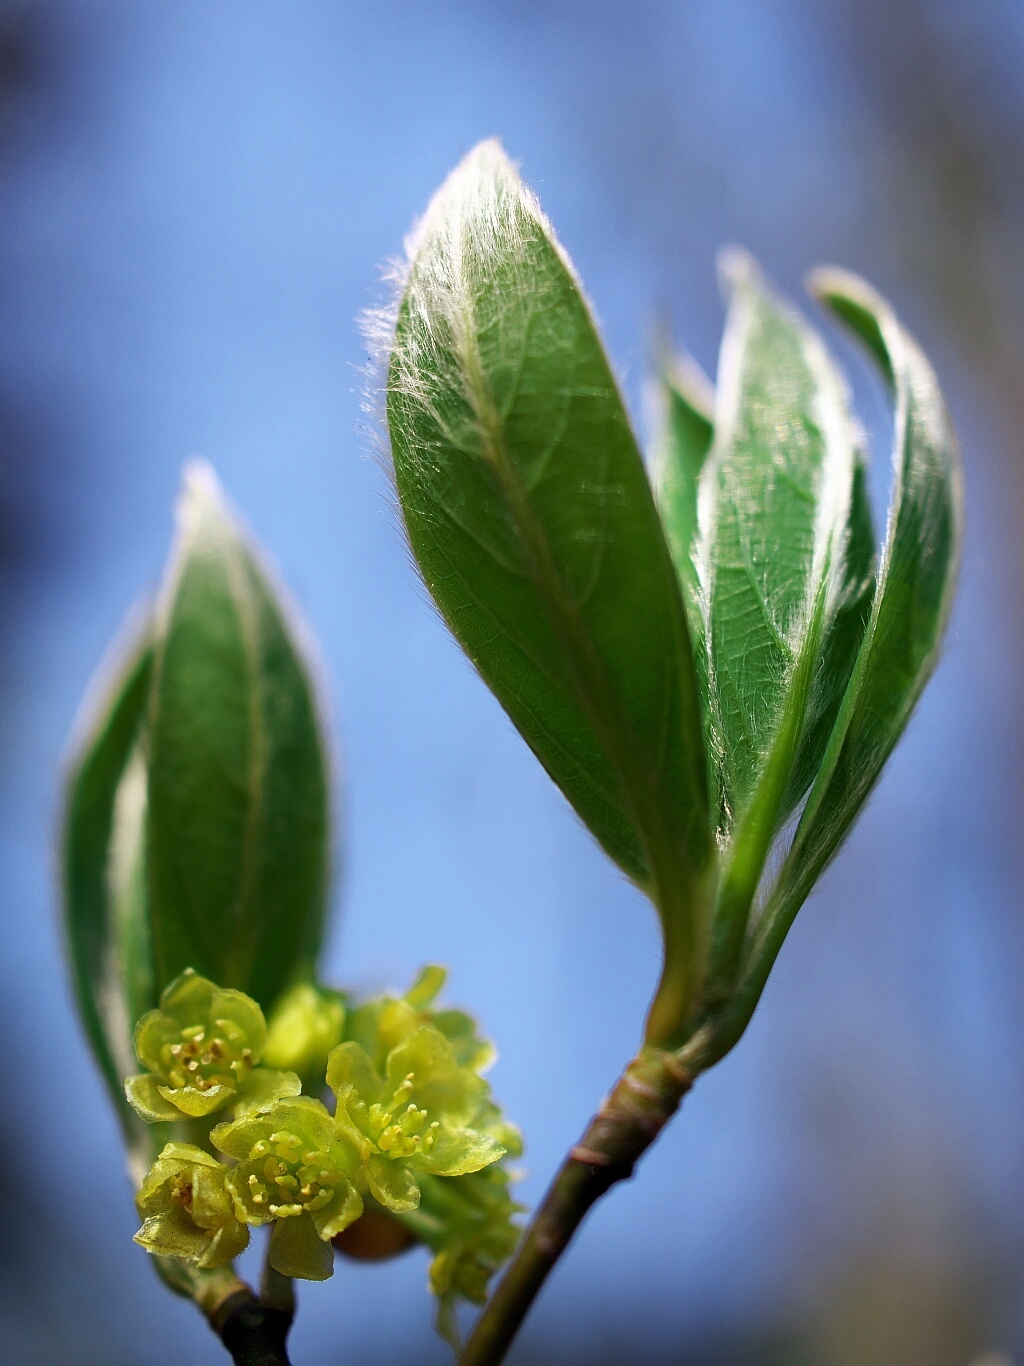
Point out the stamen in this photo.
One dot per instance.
(230, 1030)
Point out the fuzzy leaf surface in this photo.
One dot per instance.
(779, 591)
(529, 512)
(909, 612)
(775, 501)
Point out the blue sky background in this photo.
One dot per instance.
(196, 201)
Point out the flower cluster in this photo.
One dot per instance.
(467, 1223)
(413, 1130)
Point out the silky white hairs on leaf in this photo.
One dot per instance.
(479, 199)
(477, 216)
(481, 212)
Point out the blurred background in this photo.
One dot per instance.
(196, 200)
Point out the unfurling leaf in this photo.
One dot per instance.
(776, 504)
(909, 612)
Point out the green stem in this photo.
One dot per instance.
(642, 1102)
(276, 1291)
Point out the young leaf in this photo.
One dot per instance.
(92, 784)
(529, 512)
(776, 499)
(237, 823)
(132, 945)
(909, 612)
(687, 431)
(842, 642)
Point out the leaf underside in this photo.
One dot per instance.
(529, 511)
(766, 513)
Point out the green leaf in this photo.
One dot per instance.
(129, 895)
(687, 432)
(909, 612)
(529, 511)
(681, 448)
(237, 824)
(776, 502)
(842, 644)
(95, 774)
(776, 495)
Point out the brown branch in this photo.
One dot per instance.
(642, 1102)
(254, 1333)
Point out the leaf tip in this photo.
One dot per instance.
(477, 203)
(737, 269)
(829, 284)
(201, 493)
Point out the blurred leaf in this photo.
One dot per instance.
(916, 578)
(237, 823)
(131, 934)
(530, 514)
(92, 784)
(776, 501)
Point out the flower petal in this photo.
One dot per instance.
(145, 1096)
(195, 1103)
(296, 1250)
(154, 1031)
(240, 1012)
(393, 1184)
(235, 1138)
(456, 1152)
(349, 1065)
(229, 1242)
(262, 1087)
(440, 1085)
(301, 1114)
(211, 1204)
(172, 1234)
(460, 1031)
(188, 998)
(344, 1209)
